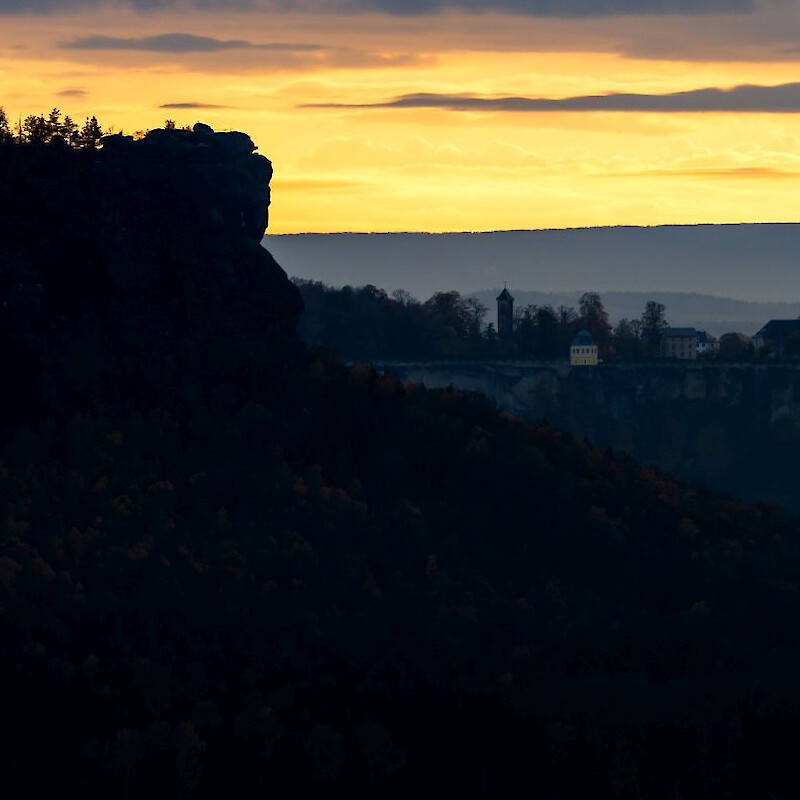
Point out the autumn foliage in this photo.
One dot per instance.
(336, 584)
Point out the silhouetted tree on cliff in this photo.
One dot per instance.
(594, 318)
(6, 137)
(542, 332)
(364, 322)
(627, 339)
(35, 130)
(653, 321)
(525, 328)
(52, 129)
(476, 311)
(551, 333)
(90, 134)
(735, 347)
(68, 130)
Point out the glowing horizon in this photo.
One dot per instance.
(448, 121)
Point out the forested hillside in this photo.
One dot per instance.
(247, 570)
(338, 585)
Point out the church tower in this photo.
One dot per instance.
(505, 315)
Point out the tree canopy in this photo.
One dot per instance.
(51, 128)
(365, 322)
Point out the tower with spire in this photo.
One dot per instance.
(505, 314)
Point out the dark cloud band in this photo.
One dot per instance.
(560, 8)
(533, 8)
(769, 99)
(184, 106)
(181, 43)
(60, 6)
(275, 55)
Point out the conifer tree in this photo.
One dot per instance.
(653, 321)
(35, 129)
(90, 134)
(5, 129)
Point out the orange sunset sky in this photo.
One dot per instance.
(382, 115)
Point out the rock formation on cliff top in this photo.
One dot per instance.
(143, 249)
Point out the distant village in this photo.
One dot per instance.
(366, 322)
(777, 339)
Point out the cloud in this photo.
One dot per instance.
(496, 161)
(72, 93)
(242, 53)
(560, 8)
(406, 8)
(181, 43)
(61, 6)
(784, 98)
(352, 58)
(180, 106)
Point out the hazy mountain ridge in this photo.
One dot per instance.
(749, 262)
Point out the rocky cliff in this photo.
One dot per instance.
(146, 251)
(732, 426)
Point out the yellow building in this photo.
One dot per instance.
(583, 350)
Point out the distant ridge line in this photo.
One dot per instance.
(744, 261)
(538, 230)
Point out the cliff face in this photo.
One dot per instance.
(731, 426)
(143, 250)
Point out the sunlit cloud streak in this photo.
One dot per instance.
(758, 173)
(784, 98)
(179, 106)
